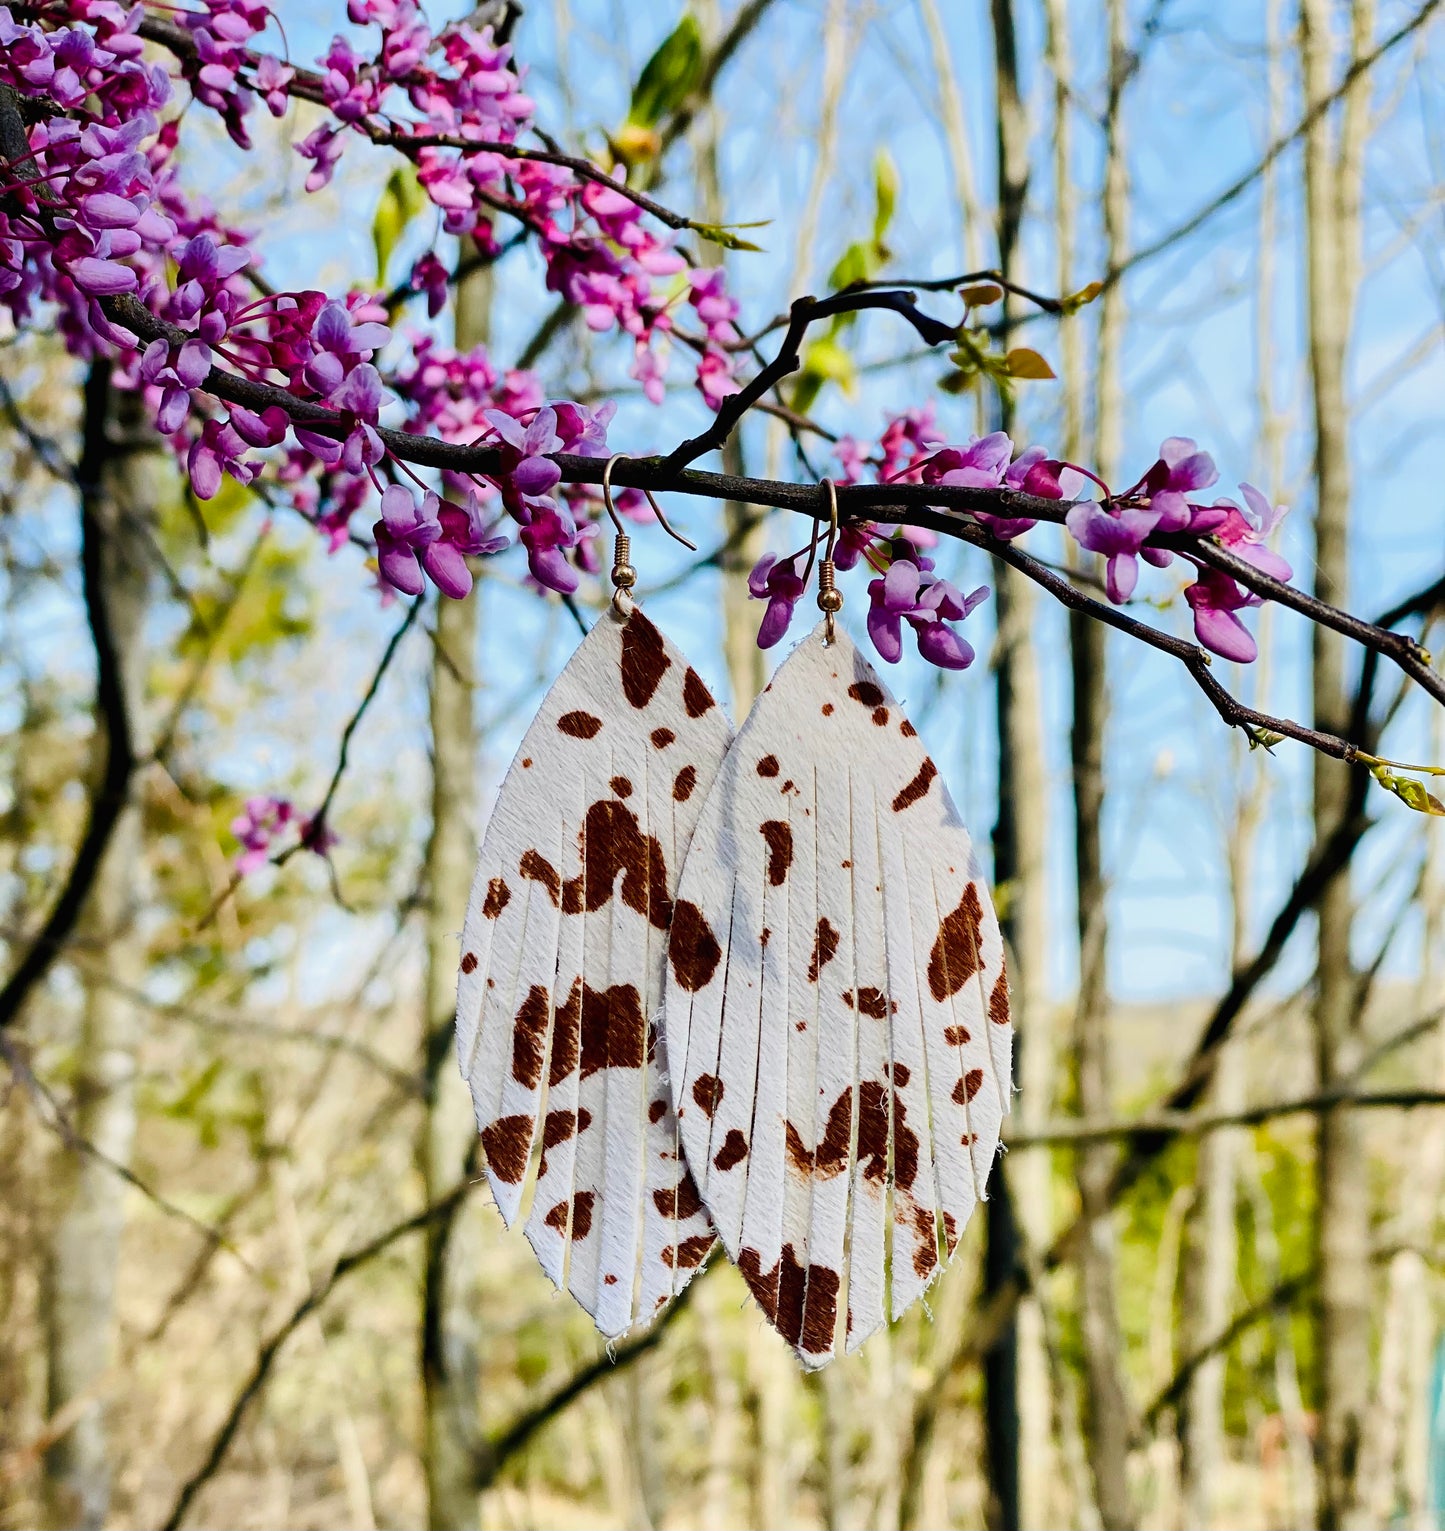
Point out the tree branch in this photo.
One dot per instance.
(54, 1117)
(1285, 1293)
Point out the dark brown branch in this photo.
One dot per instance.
(109, 799)
(908, 504)
(804, 312)
(964, 279)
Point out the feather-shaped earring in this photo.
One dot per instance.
(843, 1072)
(562, 964)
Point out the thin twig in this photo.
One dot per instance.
(265, 1360)
(316, 835)
(53, 1115)
(500, 1448)
(1238, 187)
(1175, 1124)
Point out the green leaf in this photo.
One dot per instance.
(1084, 296)
(1410, 792)
(825, 361)
(854, 265)
(885, 196)
(669, 77)
(721, 234)
(1022, 362)
(401, 200)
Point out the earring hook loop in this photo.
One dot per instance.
(830, 598)
(666, 525)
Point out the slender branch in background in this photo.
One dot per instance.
(1183, 1124)
(498, 1449)
(317, 832)
(314, 839)
(352, 1260)
(1283, 1294)
(1237, 188)
(1144, 1147)
(53, 1116)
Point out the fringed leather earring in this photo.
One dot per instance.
(563, 956)
(836, 1005)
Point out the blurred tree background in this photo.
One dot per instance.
(248, 1273)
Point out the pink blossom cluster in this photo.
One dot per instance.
(104, 216)
(1121, 528)
(601, 254)
(264, 822)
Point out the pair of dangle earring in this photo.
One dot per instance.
(834, 1008)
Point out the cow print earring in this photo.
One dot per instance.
(836, 1006)
(562, 964)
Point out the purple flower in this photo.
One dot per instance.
(260, 822)
(979, 465)
(175, 380)
(272, 78)
(525, 451)
(582, 430)
(217, 450)
(1118, 536)
(430, 276)
(710, 298)
(1244, 533)
(103, 278)
(1214, 599)
(546, 537)
(781, 586)
(1180, 470)
(404, 533)
(902, 595)
(715, 380)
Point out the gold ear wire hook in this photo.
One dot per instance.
(624, 576)
(830, 598)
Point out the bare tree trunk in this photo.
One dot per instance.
(1207, 1289)
(1107, 1423)
(1342, 1171)
(1299, 1509)
(1393, 1472)
(450, 1331)
(122, 482)
(1210, 1273)
(1020, 835)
